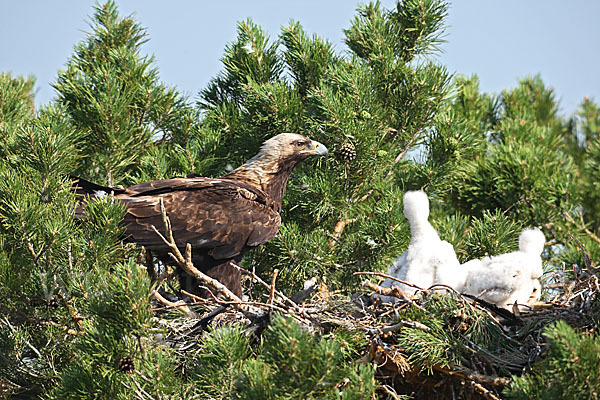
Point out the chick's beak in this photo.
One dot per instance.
(319, 149)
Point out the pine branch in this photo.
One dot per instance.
(391, 167)
(338, 229)
(140, 392)
(581, 226)
(35, 257)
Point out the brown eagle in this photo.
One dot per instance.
(221, 218)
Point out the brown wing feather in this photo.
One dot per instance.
(218, 215)
(168, 185)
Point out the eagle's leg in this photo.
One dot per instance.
(225, 273)
(229, 276)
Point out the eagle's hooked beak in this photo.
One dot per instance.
(319, 149)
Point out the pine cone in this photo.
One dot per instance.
(347, 152)
(126, 365)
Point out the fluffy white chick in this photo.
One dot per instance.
(428, 259)
(508, 278)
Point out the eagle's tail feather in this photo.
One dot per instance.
(82, 187)
(84, 190)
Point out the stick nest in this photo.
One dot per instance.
(436, 344)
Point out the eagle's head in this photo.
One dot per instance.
(272, 166)
(290, 147)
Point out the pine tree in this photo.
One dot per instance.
(113, 94)
(16, 100)
(291, 364)
(570, 370)
(76, 319)
(66, 284)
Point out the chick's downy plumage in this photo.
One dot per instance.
(508, 278)
(428, 259)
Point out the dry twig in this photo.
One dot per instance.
(179, 305)
(272, 292)
(581, 226)
(382, 275)
(405, 324)
(265, 284)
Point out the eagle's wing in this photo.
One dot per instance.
(219, 215)
(170, 185)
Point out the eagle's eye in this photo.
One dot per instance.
(299, 143)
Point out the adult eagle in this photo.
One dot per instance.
(221, 218)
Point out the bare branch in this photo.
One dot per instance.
(265, 284)
(393, 291)
(405, 324)
(382, 275)
(273, 286)
(179, 305)
(581, 226)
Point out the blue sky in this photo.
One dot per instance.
(500, 41)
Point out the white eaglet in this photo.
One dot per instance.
(508, 278)
(428, 259)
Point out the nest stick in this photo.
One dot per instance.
(382, 275)
(406, 324)
(391, 291)
(265, 284)
(272, 294)
(179, 305)
(471, 375)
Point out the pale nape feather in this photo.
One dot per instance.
(428, 259)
